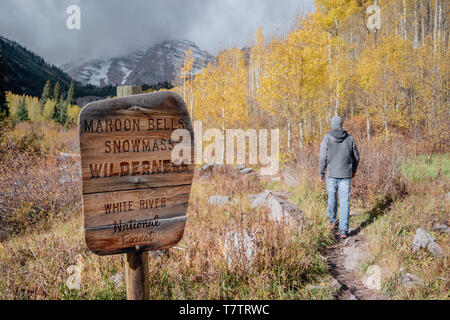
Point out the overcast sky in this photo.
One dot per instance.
(113, 27)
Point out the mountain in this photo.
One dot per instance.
(25, 72)
(159, 63)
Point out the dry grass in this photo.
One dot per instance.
(34, 259)
(34, 262)
(390, 235)
(401, 185)
(36, 181)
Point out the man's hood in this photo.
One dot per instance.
(339, 135)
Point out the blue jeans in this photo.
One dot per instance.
(343, 187)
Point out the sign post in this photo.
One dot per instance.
(135, 264)
(135, 196)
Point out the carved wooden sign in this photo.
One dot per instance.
(134, 196)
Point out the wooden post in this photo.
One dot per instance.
(135, 264)
(136, 276)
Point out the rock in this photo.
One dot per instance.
(158, 254)
(208, 170)
(410, 280)
(260, 199)
(352, 297)
(279, 209)
(219, 200)
(355, 213)
(239, 246)
(284, 211)
(422, 239)
(354, 257)
(315, 287)
(276, 179)
(354, 252)
(441, 227)
(336, 284)
(117, 279)
(246, 171)
(447, 196)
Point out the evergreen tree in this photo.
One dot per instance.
(56, 110)
(57, 91)
(62, 113)
(46, 93)
(71, 93)
(22, 111)
(4, 110)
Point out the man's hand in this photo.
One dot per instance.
(322, 178)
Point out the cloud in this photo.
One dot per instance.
(114, 27)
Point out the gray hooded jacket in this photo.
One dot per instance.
(338, 155)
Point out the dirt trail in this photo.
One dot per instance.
(344, 260)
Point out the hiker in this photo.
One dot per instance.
(340, 158)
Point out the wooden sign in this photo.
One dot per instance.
(134, 196)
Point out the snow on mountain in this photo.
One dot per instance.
(160, 63)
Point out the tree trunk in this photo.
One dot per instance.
(184, 86)
(337, 99)
(367, 124)
(288, 120)
(404, 30)
(301, 134)
(320, 126)
(289, 135)
(192, 100)
(435, 26)
(416, 28)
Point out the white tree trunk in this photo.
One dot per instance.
(184, 86)
(416, 28)
(223, 119)
(440, 21)
(289, 135)
(337, 99)
(320, 126)
(435, 26)
(192, 100)
(367, 123)
(423, 31)
(385, 107)
(404, 30)
(301, 134)
(288, 120)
